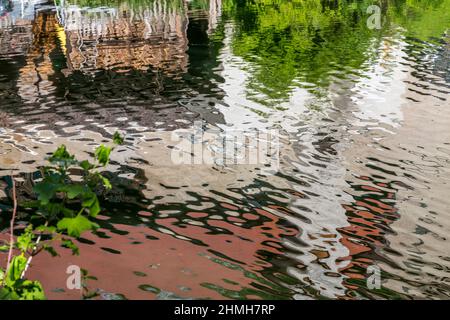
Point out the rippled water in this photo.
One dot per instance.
(363, 117)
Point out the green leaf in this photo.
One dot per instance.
(17, 266)
(106, 183)
(76, 226)
(73, 190)
(25, 240)
(23, 290)
(43, 228)
(86, 165)
(19, 289)
(92, 204)
(94, 209)
(52, 209)
(102, 154)
(7, 294)
(62, 157)
(67, 212)
(45, 191)
(117, 138)
(31, 290)
(86, 276)
(67, 243)
(61, 153)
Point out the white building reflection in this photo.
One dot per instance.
(16, 19)
(121, 35)
(151, 33)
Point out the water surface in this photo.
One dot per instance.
(362, 115)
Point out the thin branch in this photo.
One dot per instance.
(13, 218)
(33, 253)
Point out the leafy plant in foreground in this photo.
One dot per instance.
(63, 210)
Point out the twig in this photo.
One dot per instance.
(33, 253)
(11, 237)
(13, 218)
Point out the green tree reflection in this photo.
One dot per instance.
(310, 43)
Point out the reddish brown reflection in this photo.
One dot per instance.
(170, 264)
(369, 216)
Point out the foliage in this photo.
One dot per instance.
(310, 43)
(17, 288)
(63, 211)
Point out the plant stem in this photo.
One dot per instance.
(32, 254)
(13, 218)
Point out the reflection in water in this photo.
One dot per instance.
(362, 114)
(134, 36)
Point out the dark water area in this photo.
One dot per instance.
(362, 116)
